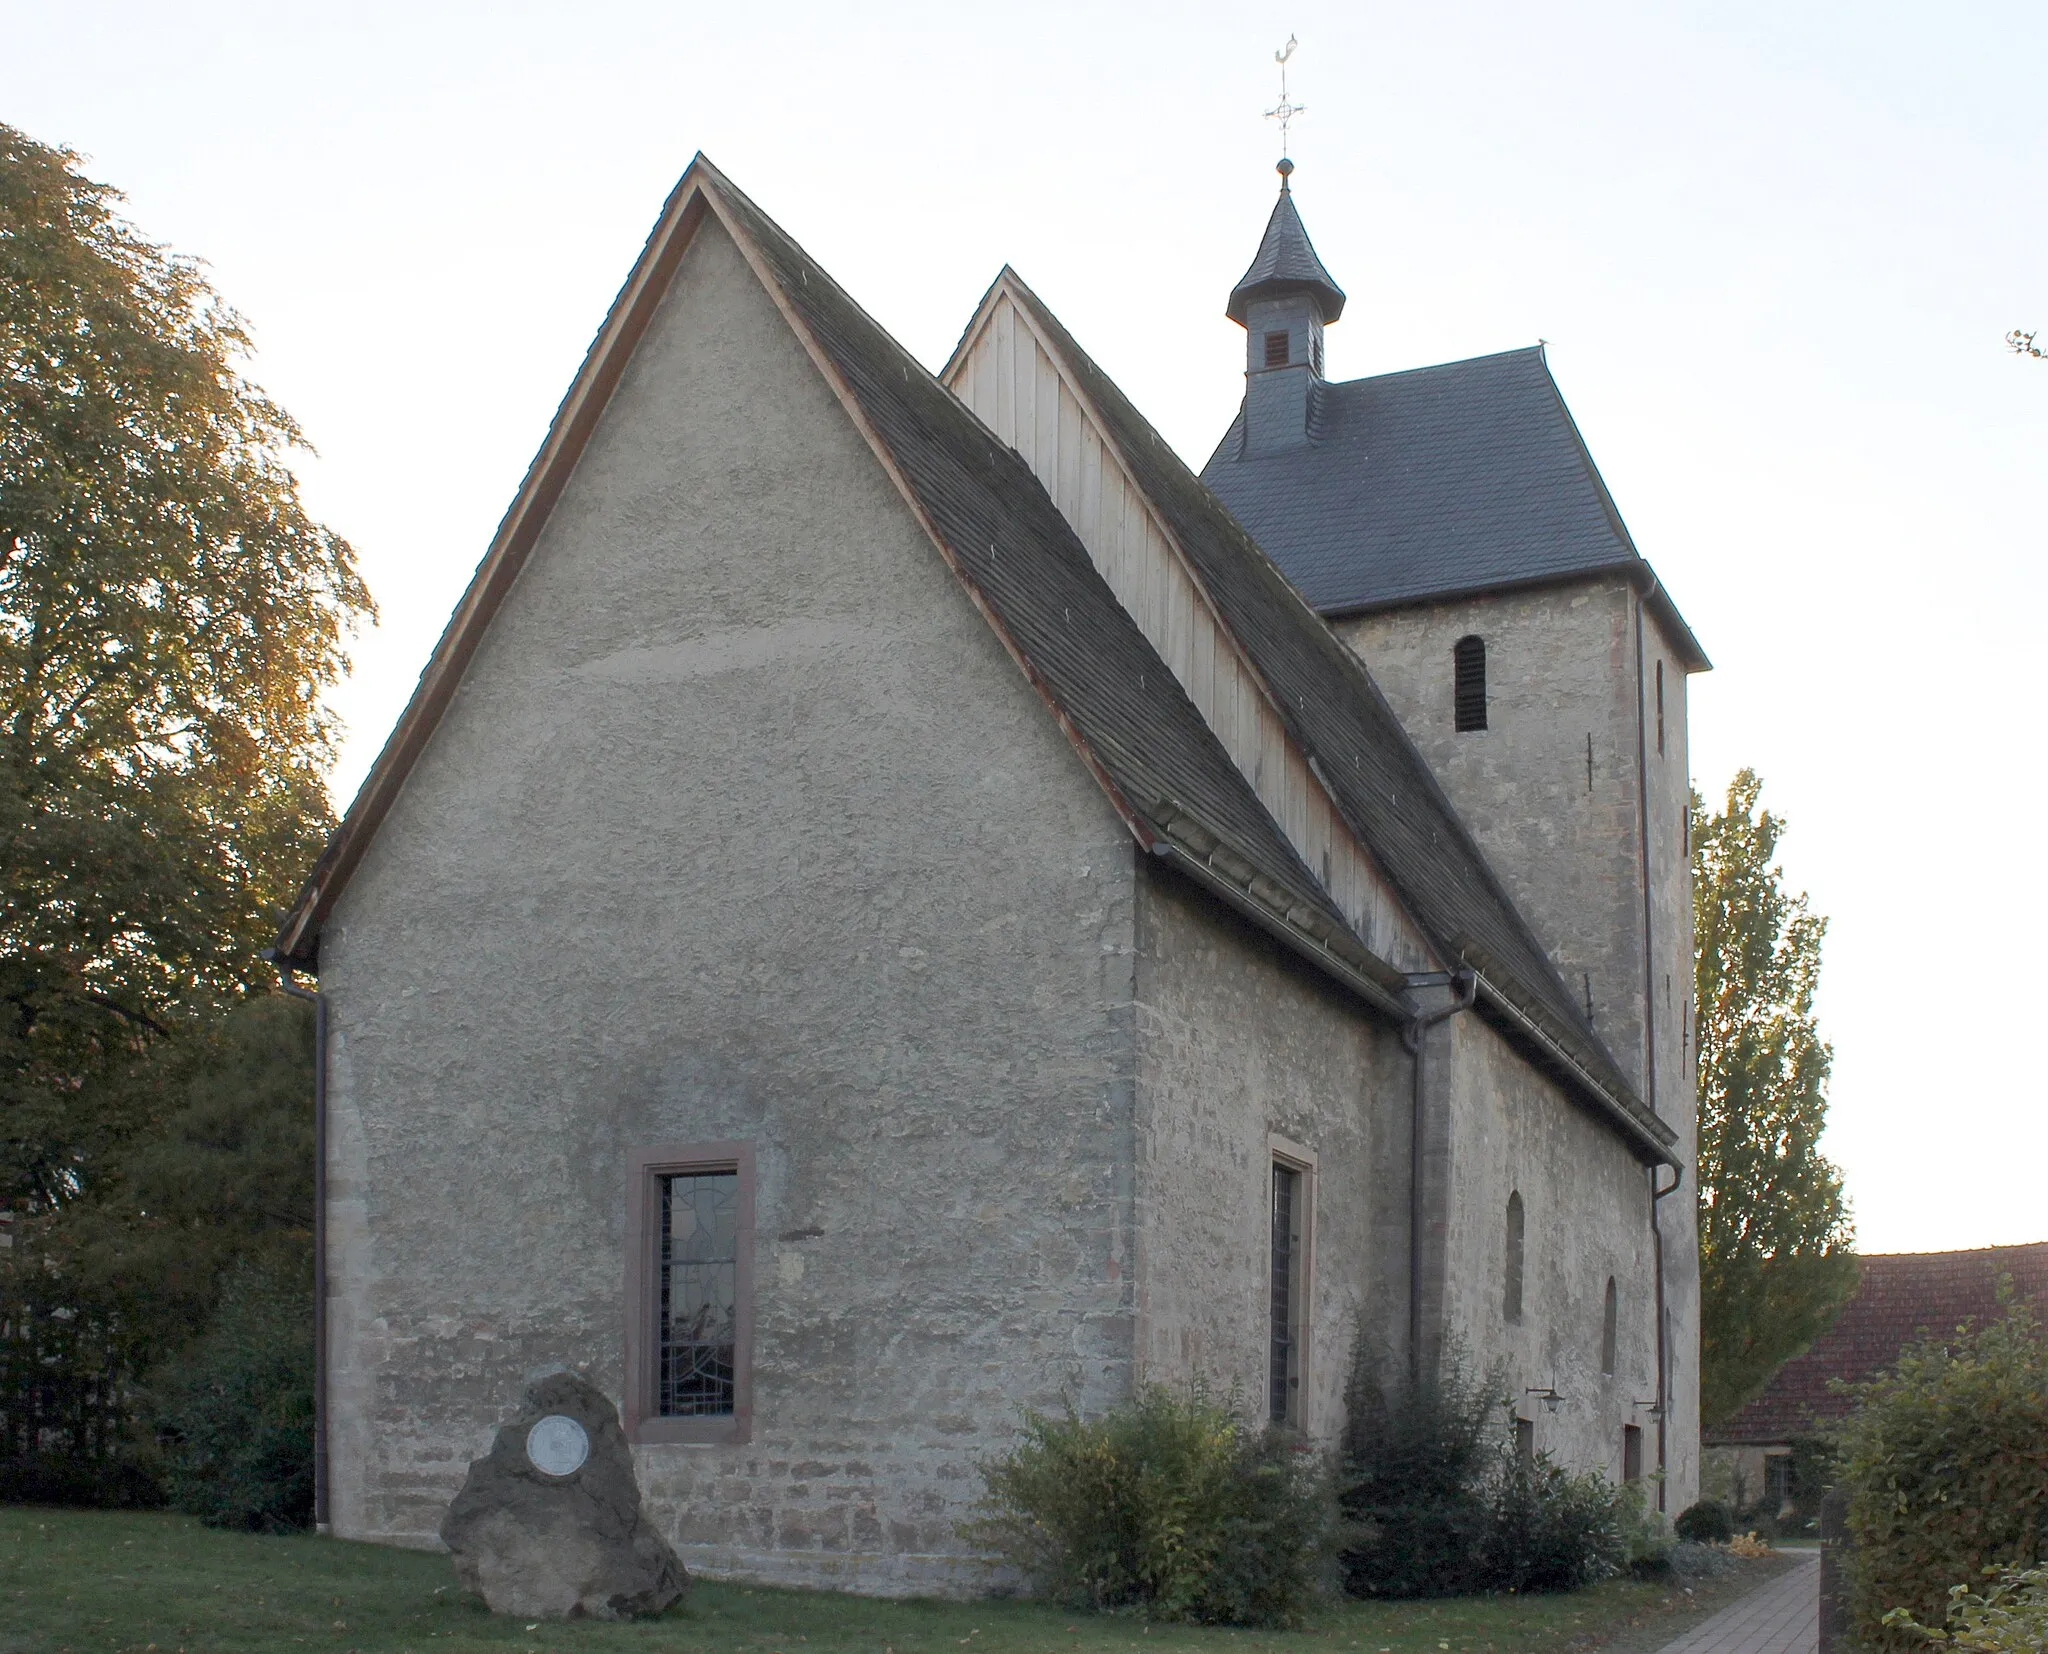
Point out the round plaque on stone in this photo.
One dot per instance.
(558, 1445)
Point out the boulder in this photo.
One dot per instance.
(549, 1524)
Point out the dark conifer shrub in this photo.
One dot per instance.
(1413, 1475)
(1707, 1523)
(235, 1410)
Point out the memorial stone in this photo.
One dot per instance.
(549, 1525)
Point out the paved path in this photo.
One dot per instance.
(1782, 1617)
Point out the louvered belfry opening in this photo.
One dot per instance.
(1276, 350)
(1468, 664)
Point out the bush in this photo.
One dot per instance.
(1552, 1531)
(1413, 1478)
(1167, 1505)
(2010, 1618)
(1437, 1502)
(235, 1411)
(119, 1483)
(1946, 1464)
(1647, 1543)
(1707, 1523)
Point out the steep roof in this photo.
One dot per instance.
(1899, 1297)
(1466, 477)
(1144, 742)
(1022, 565)
(1286, 264)
(1380, 783)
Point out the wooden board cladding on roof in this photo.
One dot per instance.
(1010, 379)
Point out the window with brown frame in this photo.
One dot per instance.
(1287, 1297)
(690, 1293)
(1277, 354)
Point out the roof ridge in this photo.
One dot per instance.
(1543, 995)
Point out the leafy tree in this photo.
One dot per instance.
(1775, 1233)
(169, 615)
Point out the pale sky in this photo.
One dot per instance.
(1774, 248)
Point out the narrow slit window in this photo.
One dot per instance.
(1276, 350)
(1468, 662)
(1631, 1453)
(1609, 1328)
(1283, 1388)
(1660, 709)
(1525, 1442)
(1511, 1298)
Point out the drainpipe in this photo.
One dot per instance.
(1413, 1033)
(286, 972)
(1650, 1023)
(1663, 1358)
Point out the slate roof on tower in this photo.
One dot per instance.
(1432, 483)
(1286, 263)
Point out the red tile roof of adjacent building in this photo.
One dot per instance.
(1900, 1297)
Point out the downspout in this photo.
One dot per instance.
(286, 972)
(1650, 1023)
(1663, 1359)
(1413, 1032)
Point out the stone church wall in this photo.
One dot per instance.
(742, 827)
(1244, 1050)
(1586, 1217)
(1560, 673)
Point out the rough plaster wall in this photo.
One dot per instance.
(741, 827)
(1238, 1042)
(1586, 1208)
(1560, 666)
(1669, 794)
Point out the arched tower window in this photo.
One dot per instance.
(1608, 1328)
(1468, 662)
(1511, 1301)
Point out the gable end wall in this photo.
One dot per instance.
(742, 826)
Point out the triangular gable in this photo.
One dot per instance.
(1005, 370)
(1170, 532)
(1018, 561)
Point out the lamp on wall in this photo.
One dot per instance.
(1651, 1408)
(1547, 1395)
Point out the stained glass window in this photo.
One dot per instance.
(699, 1267)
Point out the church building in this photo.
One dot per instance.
(895, 901)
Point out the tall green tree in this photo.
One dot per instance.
(1775, 1233)
(169, 617)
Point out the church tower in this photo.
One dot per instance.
(1451, 526)
(1283, 303)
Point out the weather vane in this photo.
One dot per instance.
(1283, 112)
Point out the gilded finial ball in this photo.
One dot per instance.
(1285, 168)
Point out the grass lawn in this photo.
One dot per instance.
(93, 1582)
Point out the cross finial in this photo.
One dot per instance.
(1284, 111)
